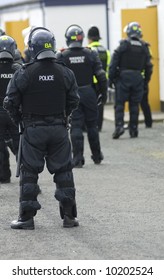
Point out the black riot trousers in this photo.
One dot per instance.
(146, 107)
(129, 87)
(87, 113)
(46, 144)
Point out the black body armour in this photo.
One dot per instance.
(77, 59)
(134, 57)
(6, 73)
(46, 94)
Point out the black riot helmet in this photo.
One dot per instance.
(133, 30)
(74, 36)
(41, 43)
(7, 47)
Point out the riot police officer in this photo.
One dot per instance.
(85, 63)
(41, 95)
(8, 131)
(104, 55)
(129, 61)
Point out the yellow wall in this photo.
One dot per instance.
(148, 20)
(14, 29)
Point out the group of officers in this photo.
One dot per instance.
(55, 89)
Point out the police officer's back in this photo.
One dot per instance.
(104, 55)
(41, 95)
(8, 131)
(85, 63)
(129, 61)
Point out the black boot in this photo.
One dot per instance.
(69, 222)
(21, 224)
(97, 157)
(118, 132)
(68, 214)
(78, 162)
(134, 133)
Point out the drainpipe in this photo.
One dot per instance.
(42, 6)
(107, 24)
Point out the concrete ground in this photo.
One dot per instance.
(120, 205)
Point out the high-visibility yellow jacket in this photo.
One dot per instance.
(104, 56)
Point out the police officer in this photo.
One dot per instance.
(42, 94)
(129, 61)
(145, 106)
(104, 55)
(17, 57)
(85, 63)
(8, 131)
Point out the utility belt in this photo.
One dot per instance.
(129, 70)
(38, 120)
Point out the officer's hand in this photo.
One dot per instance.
(6, 103)
(68, 121)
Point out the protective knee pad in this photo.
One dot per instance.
(65, 195)
(64, 179)
(28, 198)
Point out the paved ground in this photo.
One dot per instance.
(120, 205)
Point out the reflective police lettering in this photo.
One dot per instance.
(6, 76)
(77, 59)
(46, 78)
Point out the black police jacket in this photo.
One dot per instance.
(43, 87)
(7, 70)
(85, 63)
(131, 54)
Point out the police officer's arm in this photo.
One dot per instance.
(100, 76)
(72, 97)
(114, 64)
(12, 100)
(149, 66)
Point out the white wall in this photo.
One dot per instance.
(161, 47)
(59, 18)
